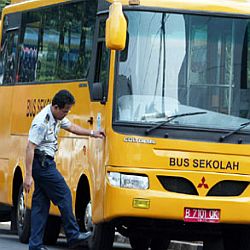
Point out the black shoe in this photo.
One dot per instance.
(81, 240)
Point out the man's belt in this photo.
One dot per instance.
(42, 156)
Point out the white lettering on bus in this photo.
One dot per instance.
(204, 164)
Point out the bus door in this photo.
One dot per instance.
(98, 82)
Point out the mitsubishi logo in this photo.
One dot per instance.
(203, 184)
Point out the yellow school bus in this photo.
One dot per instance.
(169, 83)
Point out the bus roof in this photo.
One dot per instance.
(216, 6)
(241, 7)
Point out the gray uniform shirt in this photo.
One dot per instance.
(44, 131)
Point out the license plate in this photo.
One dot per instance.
(201, 215)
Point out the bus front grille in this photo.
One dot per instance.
(177, 185)
(228, 188)
(184, 186)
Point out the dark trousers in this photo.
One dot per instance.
(50, 186)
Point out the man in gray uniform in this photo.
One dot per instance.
(49, 183)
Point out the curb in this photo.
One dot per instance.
(174, 245)
(184, 245)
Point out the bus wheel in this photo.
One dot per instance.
(52, 230)
(159, 243)
(138, 242)
(23, 218)
(236, 238)
(102, 233)
(231, 238)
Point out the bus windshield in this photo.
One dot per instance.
(182, 63)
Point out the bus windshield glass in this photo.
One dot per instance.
(182, 63)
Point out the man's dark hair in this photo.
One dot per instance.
(62, 98)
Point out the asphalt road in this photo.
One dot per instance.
(9, 241)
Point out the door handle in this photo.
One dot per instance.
(90, 120)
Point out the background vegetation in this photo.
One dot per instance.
(3, 3)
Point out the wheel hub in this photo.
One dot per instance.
(88, 218)
(21, 210)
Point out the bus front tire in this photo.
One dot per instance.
(236, 238)
(103, 234)
(23, 218)
(159, 243)
(102, 237)
(138, 242)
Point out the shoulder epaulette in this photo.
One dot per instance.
(47, 118)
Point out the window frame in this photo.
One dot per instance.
(22, 26)
(96, 61)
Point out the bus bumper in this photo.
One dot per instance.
(120, 202)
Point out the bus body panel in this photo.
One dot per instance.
(180, 155)
(169, 206)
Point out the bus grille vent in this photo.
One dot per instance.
(228, 188)
(177, 185)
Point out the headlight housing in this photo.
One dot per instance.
(128, 180)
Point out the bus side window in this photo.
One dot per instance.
(57, 42)
(9, 58)
(8, 49)
(1, 68)
(29, 46)
(102, 60)
(2, 50)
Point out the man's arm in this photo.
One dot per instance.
(28, 181)
(75, 129)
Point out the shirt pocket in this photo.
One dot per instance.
(50, 135)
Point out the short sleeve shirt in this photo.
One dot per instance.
(45, 129)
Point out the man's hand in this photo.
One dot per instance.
(77, 130)
(27, 184)
(98, 134)
(28, 181)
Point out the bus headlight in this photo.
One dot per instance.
(128, 180)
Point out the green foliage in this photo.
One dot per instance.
(3, 3)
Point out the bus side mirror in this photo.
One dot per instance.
(116, 27)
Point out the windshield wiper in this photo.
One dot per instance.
(243, 125)
(169, 119)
